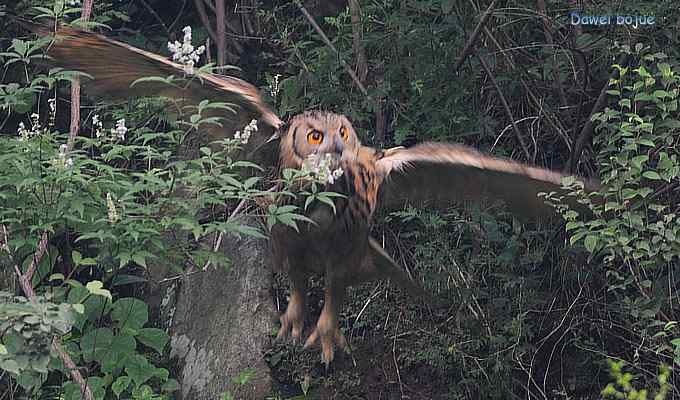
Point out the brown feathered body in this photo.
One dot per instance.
(336, 244)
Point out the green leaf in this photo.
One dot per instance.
(95, 288)
(651, 175)
(122, 346)
(591, 243)
(139, 259)
(10, 366)
(95, 344)
(154, 338)
(139, 369)
(75, 255)
(120, 385)
(170, 386)
(130, 313)
(72, 390)
(124, 279)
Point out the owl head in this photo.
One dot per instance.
(316, 132)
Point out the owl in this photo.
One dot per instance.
(337, 243)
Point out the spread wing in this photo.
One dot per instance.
(115, 66)
(441, 173)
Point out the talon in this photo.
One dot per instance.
(311, 339)
(292, 321)
(328, 343)
(288, 326)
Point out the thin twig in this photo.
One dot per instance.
(25, 280)
(586, 133)
(155, 15)
(179, 15)
(473, 38)
(394, 356)
(203, 15)
(520, 139)
(358, 48)
(328, 43)
(218, 242)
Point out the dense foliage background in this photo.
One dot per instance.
(542, 310)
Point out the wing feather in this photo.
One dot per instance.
(441, 173)
(116, 65)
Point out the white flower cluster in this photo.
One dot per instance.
(36, 129)
(185, 53)
(98, 125)
(111, 206)
(62, 160)
(274, 88)
(73, 3)
(320, 167)
(120, 130)
(244, 136)
(52, 103)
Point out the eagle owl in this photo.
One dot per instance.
(337, 244)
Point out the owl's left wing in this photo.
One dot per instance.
(439, 173)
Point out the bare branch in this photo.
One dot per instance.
(155, 15)
(586, 133)
(520, 139)
(203, 14)
(473, 38)
(220, 42)
(357, 47)
(328, 43)
(75, 89)
(25, 280)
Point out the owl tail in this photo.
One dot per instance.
(386, 267)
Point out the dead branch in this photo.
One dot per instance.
(75, 89)
(220, 29)
(540, 4)
(328, 43)
(156, 16)
(586, 133)
(203, 15)
(473, 38)
(508, 112)
(357, 47)
(25, 281)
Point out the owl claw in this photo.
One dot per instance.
(290, 325)
(328, 342)
(292, 321)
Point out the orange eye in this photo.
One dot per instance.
(344, 134)
(314, 137)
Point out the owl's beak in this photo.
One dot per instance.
(338, 145)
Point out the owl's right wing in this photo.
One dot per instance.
(442, 173)
(115, 66)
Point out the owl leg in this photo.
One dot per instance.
(327, 329)
(294, 318)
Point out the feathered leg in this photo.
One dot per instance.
(327, 329)
(294, 318)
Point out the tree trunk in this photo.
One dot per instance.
(222, 323)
